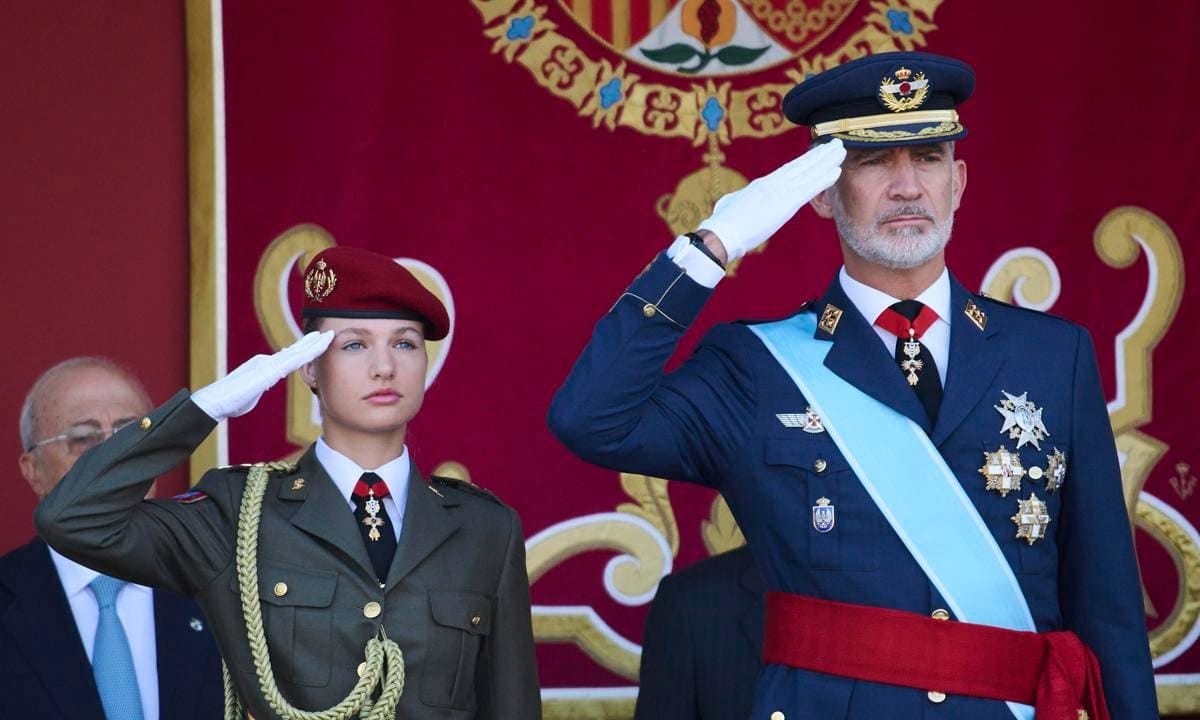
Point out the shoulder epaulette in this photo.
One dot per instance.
(464, 486)
(274, 466)
(806, 306)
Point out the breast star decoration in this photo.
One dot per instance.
(1022, 420)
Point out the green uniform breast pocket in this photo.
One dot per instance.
(298, 621)
(460, 623)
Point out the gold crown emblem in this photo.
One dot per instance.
(319, 281)
(903, 74)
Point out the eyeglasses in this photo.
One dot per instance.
(81, 438)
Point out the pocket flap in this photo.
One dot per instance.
(286, 585)
(804, 453)
(470, 612)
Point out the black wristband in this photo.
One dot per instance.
(698, 242)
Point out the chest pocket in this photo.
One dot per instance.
(844, 528)
(298, 621)
(461, 623)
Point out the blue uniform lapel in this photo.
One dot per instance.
(972, 367)
(41, 623)
(861, 359)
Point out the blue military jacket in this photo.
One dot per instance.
(715, 421)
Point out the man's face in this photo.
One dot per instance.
(895, 207)
(372, 378)
(86, 404)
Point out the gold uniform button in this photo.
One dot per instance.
(940, 614)
(475, 621)
(777, 715)
(145, 423)
(372, 610)
(648, 310)
(936, 697)
(820, 465)
(1035, 473)
(280, 589)
(362, 668)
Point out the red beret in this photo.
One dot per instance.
(351, 283)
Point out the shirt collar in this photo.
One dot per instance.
(345, 472)
(871, 302)
(75, 578)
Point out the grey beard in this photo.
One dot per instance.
(904, 249)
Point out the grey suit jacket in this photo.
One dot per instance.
(456, 598)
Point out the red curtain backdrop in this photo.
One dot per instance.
(423, 131)
(93, 186)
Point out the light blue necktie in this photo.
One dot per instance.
(112, 662)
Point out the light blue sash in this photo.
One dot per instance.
(910, 483)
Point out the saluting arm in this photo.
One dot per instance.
(97, 515)
(616, 408)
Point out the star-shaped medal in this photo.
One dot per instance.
(1056, 470)
(1022, 420)
(1003, 471)
(1032, 519)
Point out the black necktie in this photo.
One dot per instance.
(374, 523)
(919, 368)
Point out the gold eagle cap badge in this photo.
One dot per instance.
(903, 90)
(319, 281)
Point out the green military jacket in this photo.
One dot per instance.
(456, 599)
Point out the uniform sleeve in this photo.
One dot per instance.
(1099, 585)
(618, 409)
(508, 683)
(667, 681)
(98, 515)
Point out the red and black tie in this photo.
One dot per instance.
(374, 523)
(908, 320)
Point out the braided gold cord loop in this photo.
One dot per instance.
(384, 659)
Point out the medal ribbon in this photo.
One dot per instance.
(362, 490)
(898, 325)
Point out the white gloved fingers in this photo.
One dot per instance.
(238, 392)
(303, 351)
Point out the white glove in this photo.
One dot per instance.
(238, 392)
(745, 218)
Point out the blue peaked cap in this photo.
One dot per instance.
(885, 100)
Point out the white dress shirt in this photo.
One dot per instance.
(135, 607)
(871, 302)
(345, 473)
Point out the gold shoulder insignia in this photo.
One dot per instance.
(830, 318)
(976, 315)
(464, 486)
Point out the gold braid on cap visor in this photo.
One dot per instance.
(863, 127)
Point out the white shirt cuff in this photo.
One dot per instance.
(698, 266)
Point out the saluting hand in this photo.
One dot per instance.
(238, 392)
(744, 219)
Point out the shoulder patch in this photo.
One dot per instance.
(191, 496)
(464, 486)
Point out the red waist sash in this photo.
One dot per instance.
(1055, 672)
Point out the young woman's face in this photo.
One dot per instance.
(372, 377)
